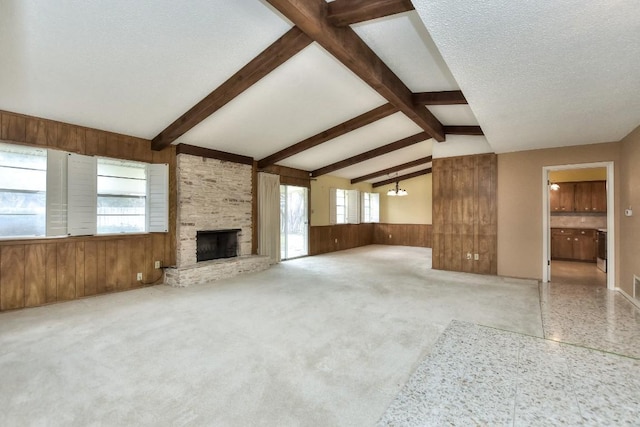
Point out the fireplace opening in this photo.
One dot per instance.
(216, 244)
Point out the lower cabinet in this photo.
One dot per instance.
(573, 244)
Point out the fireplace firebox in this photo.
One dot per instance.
(216, 244)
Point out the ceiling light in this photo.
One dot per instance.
(397, 191)
(554, 186)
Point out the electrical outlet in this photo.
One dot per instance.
(157, 264)
(468, 255)
(139, 277)
(389, 235)
(336, 240)
(476, 257)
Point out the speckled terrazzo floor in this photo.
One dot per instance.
(478, 375)
(590, 316)
(585, 372)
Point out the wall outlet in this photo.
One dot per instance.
(389, 235)
(476, 257)
(336, 241)
(157, 264)
(139, 277)
(468, 255)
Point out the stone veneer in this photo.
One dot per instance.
(212, 195)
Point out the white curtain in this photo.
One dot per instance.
(269, 216)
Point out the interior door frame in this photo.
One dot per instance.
(546, 219)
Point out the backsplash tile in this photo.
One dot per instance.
(578, 221)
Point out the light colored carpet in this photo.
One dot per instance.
(318, 341)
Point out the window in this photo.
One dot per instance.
(122, 191)
(341, 206)
(23, 185)
(55, 193)
(370, 207)
(344, 206)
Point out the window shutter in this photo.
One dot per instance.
(353, 206)
(158, 198)
(363, 196)
(82, 195)
(56, 223)
(374, 207)
(332, 206)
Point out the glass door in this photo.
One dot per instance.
(294, 217)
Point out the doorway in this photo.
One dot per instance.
(294, 221)
(578, 211)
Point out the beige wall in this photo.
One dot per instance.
(629, 252)
(412, 209)
(520, 203)
(319, 205)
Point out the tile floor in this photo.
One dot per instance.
(586, 371)
(578, 273)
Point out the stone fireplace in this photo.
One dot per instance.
(213, 196)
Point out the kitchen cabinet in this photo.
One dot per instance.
(579, 197)
(562, 200)
(573, 244)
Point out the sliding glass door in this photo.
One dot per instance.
(294, 216)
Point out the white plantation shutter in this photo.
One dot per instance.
(158, 198)
(374, 207)
(353, 206)
(56, 224)
(332, 206)
(82, 195)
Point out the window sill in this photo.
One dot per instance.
(7, 241)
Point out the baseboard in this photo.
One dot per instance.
(629, 297)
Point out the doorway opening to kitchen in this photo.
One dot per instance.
(577, 213)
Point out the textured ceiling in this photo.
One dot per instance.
(543, 73)
(536, 74)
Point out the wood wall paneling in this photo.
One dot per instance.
(13, 277)
(35, 284)
(66, 271)
(464, 219)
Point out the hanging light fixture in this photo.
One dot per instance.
(397, 191)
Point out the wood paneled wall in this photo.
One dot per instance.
(402, 234)
(37, 272)
(41, 271)
(465, 213)
(322, 239)
(332, 238)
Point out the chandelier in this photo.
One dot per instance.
(397, 191)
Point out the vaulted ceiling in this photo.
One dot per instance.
(349, 87)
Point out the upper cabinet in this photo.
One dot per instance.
(580, 197)
(563, 199)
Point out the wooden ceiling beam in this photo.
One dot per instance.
(346, 12)
(448, 97)
(402, 178)
(392, 169)
(463, 130)
(336, 131)
(292, 42)
(397, 145)
(347, 47)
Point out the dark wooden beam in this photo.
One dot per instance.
(346, 12)
(393, 169)
(345, 45)
(463, 130)
(402, 178)
(397, 145)
(271, 58)
(213, 154)
(448, 97)
(336, 131)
